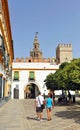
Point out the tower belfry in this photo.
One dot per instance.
(36, 53)
(36, 42)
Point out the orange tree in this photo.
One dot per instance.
(66, 78)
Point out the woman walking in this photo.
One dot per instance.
(49, 105)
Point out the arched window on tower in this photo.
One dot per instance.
(35, 46)
(29, 60)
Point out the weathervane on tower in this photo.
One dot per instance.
(36, 33)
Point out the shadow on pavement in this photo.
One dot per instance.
(73, 112)
(31, 118)
(35, 118)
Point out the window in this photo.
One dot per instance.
(16, 75)
(1, 41)
(31, 75)
(35, 46)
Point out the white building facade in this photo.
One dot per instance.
(30, 75)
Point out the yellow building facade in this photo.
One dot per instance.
(6, 50)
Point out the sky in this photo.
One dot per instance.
(56, 21)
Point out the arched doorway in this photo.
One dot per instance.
(31, 91)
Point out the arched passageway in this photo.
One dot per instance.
(31, 91)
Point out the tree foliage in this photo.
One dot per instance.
(66, 77)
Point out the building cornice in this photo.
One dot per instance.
(7, 21)
(34, 69)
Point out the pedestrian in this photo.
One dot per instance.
(54, 97)
(38, 102)
(44, 95)
(69, 96)
(49, 105)
(51, 94)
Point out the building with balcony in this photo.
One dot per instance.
(6, 50)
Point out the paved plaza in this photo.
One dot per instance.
(20, 115)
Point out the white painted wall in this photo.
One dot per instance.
(41, 71)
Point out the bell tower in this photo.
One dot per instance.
(35, 53)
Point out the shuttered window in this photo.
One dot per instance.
(16, 75)
(31, 75)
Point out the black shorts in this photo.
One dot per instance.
(39, 109)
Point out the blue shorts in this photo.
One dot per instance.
(48, 108)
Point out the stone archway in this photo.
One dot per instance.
(31, 90)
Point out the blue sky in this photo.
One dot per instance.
(56, 21)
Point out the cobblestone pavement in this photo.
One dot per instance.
(21, 115)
